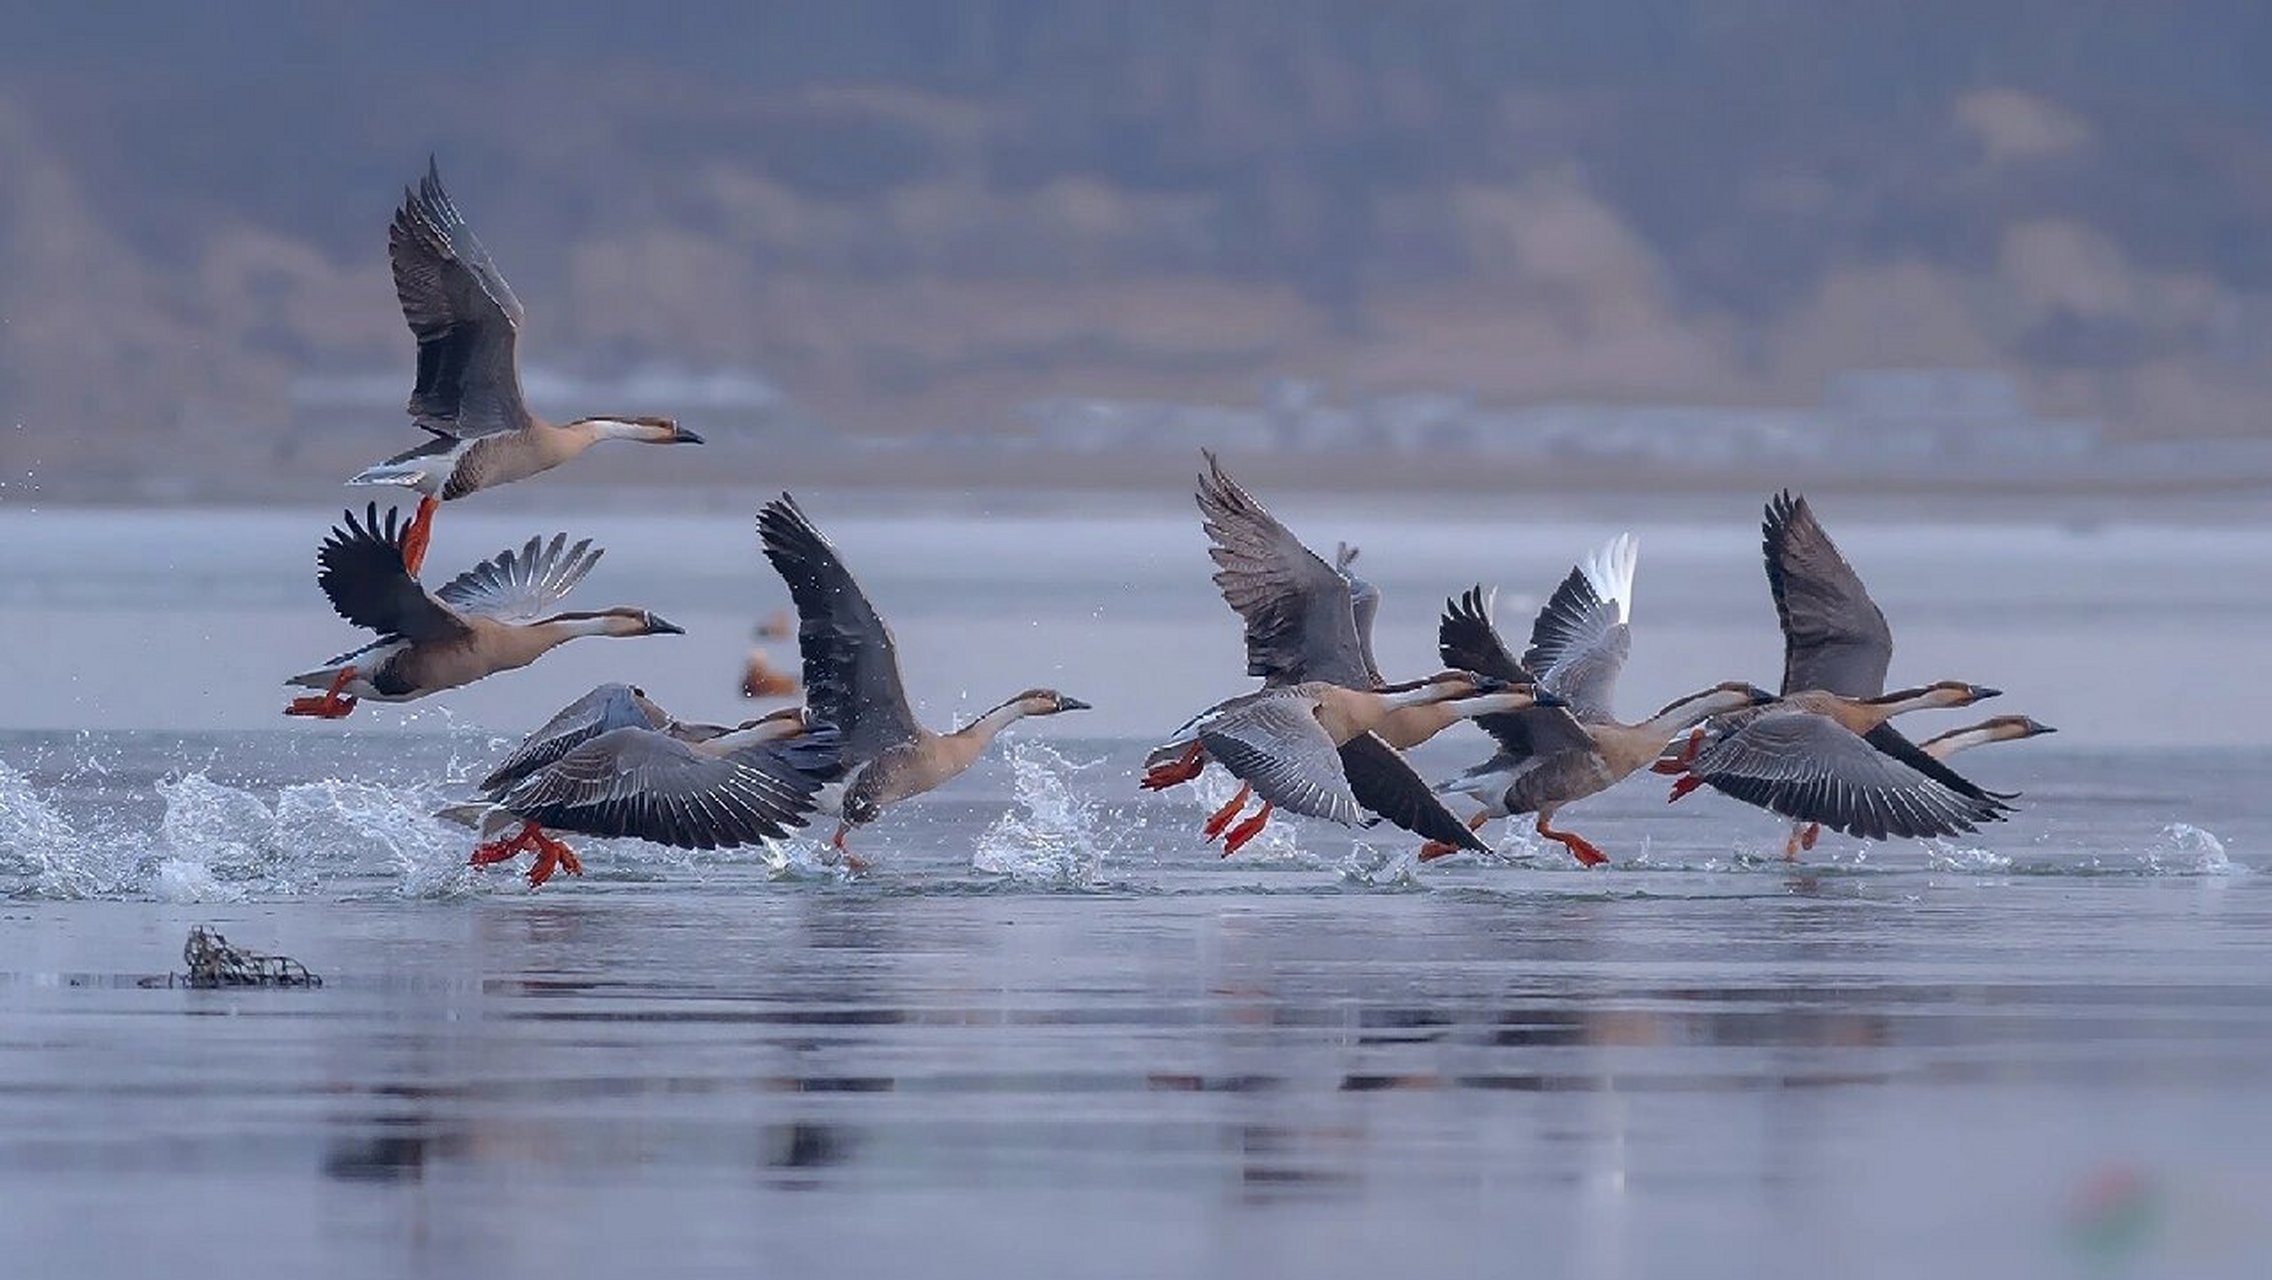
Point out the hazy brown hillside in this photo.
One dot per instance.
(915, 216)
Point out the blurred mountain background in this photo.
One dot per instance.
(919, 225)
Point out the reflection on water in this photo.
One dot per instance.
(1090, 1082)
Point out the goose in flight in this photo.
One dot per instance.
(852, 681)
(1552, 756)
(1310, 622)
(493, 617)
(1826, 755)
(613, 763)
(1291, 745)
(468, 393)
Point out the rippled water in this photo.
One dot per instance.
(1053, 1033)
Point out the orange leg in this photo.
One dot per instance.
(1580, 848)
(328, 705)
(1810, 835)
(1222, 817)
(1246, 830)
(420, 532)
(1179, 770)
(1679, 763)
(1435, 849)
(851, 860)
(1683, 787)
(503, 847)
(551, 856)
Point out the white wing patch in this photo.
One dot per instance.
(1609, 571)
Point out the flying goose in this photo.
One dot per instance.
(1308, 621)
(491, 618)
(1548, 756)
(613, 763)
(1826, 754)
(1288, 743)
(852, 681)
(468, 393)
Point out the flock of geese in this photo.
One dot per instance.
(1324, 736)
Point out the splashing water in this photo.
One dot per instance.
(218, 843)
(2189, 850)
(1052, 834)
(222, 831)
(1940, 855)
(39, 848)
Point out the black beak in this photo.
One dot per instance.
(680, 435)
(1548, 698)
(2036, 728)
(1489, 684)
(1072, 704)
(1981, 693)
(1760, 698)
(663, 627)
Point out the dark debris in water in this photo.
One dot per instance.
(213, 962)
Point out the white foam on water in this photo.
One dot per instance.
(221, 828)
(1940, 855)
(40, 851)
(189, 880)
(364, 828)
(2188, 850)
(1052, 833)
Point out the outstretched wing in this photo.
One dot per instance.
(1383, 782)
(463, 314)
(851, 666)
(610, 706)
(1299, 623)
(642, 783)
(1834, 636)
(1469, 642)
(1277, 745)
(522, 586)
(360, 569)
(1364, 606)
(1580, 639)
(1810, 768)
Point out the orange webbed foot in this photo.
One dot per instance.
(1221, 818)
(1175, 772)
(1246, 830)
(328, 705)
(551, 856)
(420, 532)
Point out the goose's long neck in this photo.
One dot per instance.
(1484, 704)
(1894, 704)
(1416, 697)
(1688, 711)
(1955, 740)
(982, 730)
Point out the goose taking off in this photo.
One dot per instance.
(493, 617)
(1308, 621)
(1289, 744)
(1549, 757)
(613, 763)
(468, 393)
(1826, 755)
(852, 681)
